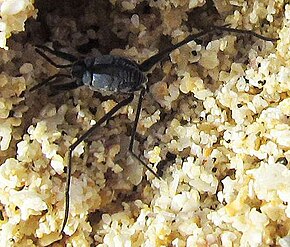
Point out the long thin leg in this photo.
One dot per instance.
(51, 61)
(82, 138)
(150, 62)
(61, 54)
(243, 31)
(46, 81)
(133, 133)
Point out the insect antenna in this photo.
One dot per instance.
(61, 54)
(46, 81)
(58, 88)
(51, 61)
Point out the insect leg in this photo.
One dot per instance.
(61, 54)
(80, 139)
(51, 61)
(46, 81)
(243, 31)
(150, 62)
(133, 133)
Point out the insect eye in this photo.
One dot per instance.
(78, 70)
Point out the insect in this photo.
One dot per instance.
(114, 75)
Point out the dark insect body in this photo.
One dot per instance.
(111, 75)
(114, 74)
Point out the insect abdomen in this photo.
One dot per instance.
(115, 74)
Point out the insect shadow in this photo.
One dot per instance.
(114, 75)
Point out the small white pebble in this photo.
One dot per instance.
(26, 68)
(135, 20)
(12, 7)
